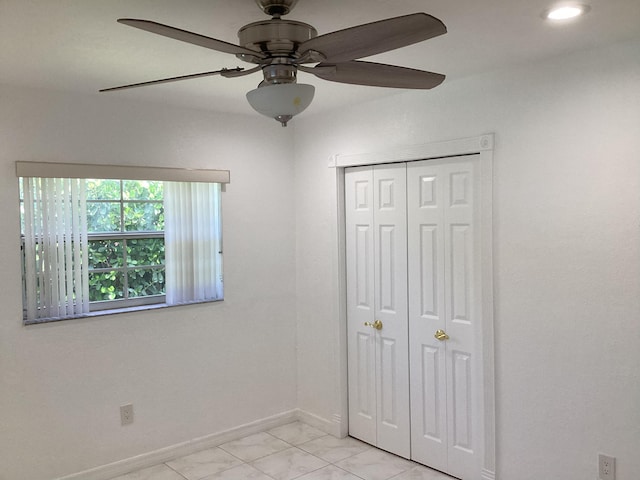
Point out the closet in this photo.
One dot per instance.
(412, 310)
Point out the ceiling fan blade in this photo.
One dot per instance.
(376, 75)
(176, 79)
(373, 38)
(189, 37)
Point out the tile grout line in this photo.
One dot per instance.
(299, 448)
(174, 470)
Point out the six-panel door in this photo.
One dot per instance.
(375, 200)
(442, 289)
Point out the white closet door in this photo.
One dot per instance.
(442, 288)
(425, 191)
(375, 200)
(360, 303)
(392, 352)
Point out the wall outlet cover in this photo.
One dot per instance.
(126, 414)
(606, 467)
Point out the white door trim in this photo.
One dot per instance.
(482, 146)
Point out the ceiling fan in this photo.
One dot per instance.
(279, 48)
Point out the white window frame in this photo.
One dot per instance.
(120, 172)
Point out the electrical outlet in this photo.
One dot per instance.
(606, 467)
(126, 414)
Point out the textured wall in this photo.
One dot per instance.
(189, 371)
(567, 241)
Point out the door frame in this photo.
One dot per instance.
(481, 146)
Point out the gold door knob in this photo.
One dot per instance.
(377, 324)
(441, 335)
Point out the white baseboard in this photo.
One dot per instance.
(488, 475)
(332, 427)
(121, 467)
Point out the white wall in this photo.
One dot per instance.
(189, 371)
(567, 270)
(567, 238)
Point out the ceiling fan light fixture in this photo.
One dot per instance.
(565, 11)
(281, 101)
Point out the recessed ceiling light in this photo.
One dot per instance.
(565, 11)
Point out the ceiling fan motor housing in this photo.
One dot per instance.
(280, 38)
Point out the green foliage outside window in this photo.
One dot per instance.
(129, 266)
(124, 206)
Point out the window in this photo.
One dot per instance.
(103, 244)
(125, 230)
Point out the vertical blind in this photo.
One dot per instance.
(56, 274)
(192, 242)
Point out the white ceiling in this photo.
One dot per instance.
(76, 45)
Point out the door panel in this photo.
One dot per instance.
(388, 382)
(364, 378)
(461, 418)
(460, 244)
(363, 242)
(387, 272)
(430, 393)
(360, 303)
(425, 199)
(390, 244)
(440, 197)
(375, 200)
(428, 265)
(460, 286)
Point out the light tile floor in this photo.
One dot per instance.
(295, 450)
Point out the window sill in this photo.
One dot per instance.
(115, 311)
